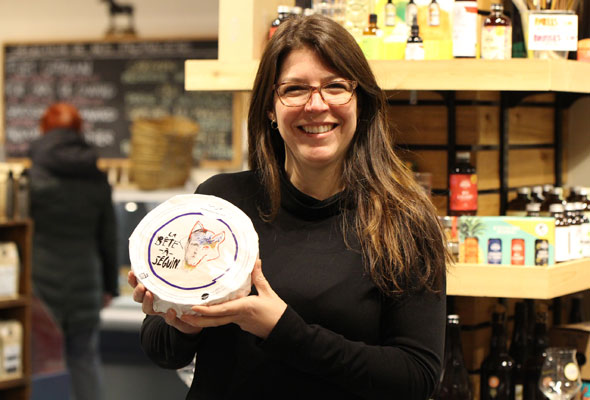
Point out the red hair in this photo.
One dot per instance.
(61, 115)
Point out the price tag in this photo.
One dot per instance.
(553, 30)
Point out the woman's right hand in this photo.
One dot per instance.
(146, 298)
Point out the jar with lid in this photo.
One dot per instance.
(562, 232)
(517, 206)
(463, 186)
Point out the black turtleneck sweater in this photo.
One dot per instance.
(339, 337)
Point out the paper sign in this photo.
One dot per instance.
(553, 30)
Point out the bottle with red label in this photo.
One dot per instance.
(517, 252)
(463, 186)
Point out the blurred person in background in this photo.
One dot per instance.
(74, 241)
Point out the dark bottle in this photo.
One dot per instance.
(537, 194)
(574, 194)
(517, 206)
(21, 202)
(283, 12)
(414, 44)
(575, 314)
(554, 196)
(454, 382)
(10, 195)
(497, 368)
(546, 189)
(519, 349)
(463, 186)
(535, 361)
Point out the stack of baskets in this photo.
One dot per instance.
(161, 151)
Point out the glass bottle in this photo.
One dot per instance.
(547, 188)
(454, 382)
(414, 45)
(538, 352)
(496, 35)
(21, 204)
(356, 12)
(464, 28)
(562, 233)
(574, 194)
(517, 206)
(463, 186)
(370, 42)
(553, 196)
(411, 13)
(497, 368)
(519, 349)
(283, 12)
(434, 13)
(537, 194)
(390, 14)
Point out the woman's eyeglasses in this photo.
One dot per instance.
(336, 93)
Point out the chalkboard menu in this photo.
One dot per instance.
(112, 84)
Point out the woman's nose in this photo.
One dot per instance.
(315, 102)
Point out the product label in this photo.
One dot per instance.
(414, 51)
(494, 251)
(575, 241)
(517, 252)
(463, 192)
(11, 358)
(562, 243)
(541, 252)
(518, 392)
(464, 28)
(496, 42)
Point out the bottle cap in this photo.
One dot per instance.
(524, 190)
(497, 7)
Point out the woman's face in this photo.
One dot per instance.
(316, 135)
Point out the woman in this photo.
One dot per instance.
(352, 301)
(74, 242)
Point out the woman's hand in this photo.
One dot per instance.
(146, 298)
(255, 314)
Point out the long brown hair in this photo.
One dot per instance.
(399, 232)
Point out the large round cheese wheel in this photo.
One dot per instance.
(192, 250)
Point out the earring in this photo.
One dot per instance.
(274, 125)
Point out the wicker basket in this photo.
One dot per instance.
(161, 151)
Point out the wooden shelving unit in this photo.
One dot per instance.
(19, 308)
(476, 75)
(513, 281)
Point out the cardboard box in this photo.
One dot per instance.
(9, 270)
(507, 240)
(576, 336)
(11, 349)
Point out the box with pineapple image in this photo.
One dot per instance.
(507, 240)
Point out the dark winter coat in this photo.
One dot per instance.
(74, 242)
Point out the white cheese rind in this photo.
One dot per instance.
(193, 250)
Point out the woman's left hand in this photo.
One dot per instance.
(257, 314)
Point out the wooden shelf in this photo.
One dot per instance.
(512, 281)
(460, 74)
(21, 301)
